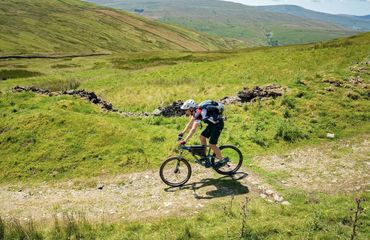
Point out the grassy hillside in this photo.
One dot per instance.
(348, 21)
(63, 138)
(40, 135)
(227, 19)
(58, 138)
(72, 26)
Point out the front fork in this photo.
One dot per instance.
(177, 170)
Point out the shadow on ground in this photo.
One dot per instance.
(209, 188)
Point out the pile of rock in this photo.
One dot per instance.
(251, 95)
(246, 95)
(231, 100)
(32, 89)
(171, 110)
(91, 96)
(270, 91)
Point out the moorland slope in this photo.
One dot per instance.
(326, 92)
(73, 26)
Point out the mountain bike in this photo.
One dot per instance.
(176, 171)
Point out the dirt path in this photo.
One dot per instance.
(335, 167)
(340, 166)
(131, 196)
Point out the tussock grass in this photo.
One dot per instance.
(310, 216)
(17, 230)
(17, 73)
(69, 226)
(59, 85)
(289, 132)
(72, 227)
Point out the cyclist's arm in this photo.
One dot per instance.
(193, 129)
(189, 125)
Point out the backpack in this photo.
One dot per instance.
(214, 109)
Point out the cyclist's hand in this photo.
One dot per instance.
(180, 136)
(182, 143)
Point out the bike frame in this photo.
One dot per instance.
(188, 148)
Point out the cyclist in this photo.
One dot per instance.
(210, 113)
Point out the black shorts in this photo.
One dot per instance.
(213, 132)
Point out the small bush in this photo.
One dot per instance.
(289, 132)
(259, 139)
(158, 139)
(289, 102)
(287, 114)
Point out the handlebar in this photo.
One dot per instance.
(182, 147)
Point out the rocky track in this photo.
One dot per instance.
(335, 167)
(130, 196)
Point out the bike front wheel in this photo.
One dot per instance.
(175, 171)
(235, 157)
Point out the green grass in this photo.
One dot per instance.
(53, 139)
(76, 27)
(310, 216)
(79, 141)
(41, 136)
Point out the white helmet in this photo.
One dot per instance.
(189, 104)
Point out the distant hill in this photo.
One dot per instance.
(227, 19)
(364, 17)
(353, 22)
(72, 26)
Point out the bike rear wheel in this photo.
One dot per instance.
(175, 171)
(236, 160)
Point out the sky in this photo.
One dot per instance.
(353, 7)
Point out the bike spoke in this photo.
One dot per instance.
(235, 159)
(175, 171)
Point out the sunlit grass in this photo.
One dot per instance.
(48, 138)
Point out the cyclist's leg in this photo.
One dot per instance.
(215, 134)
(203, 138)
(216, 150)
(203, 141)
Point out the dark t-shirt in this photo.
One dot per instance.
(201, 115)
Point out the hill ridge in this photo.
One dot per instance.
(74, 26)
(234, 20)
